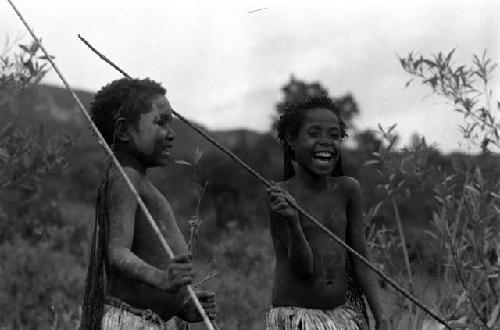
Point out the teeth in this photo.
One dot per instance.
(323, 154)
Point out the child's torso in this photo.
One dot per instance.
(325, 287)
(148, 247)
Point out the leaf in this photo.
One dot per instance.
(34, 47)
(431, 234)
(461, 299)
(371, 162)
(471, 189)
(429, 63)
(403, 62)
(183, 162)
(377, 207)
(6, 129)
(25, 48)
(45, 57)
(494, 315)
(198, 153)
(450, 54)
(439, 199)
(4, 155)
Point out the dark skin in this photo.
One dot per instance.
(310, 266)
(141, 272)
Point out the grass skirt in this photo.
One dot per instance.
(295, 318)
(119, 315)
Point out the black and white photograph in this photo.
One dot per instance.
(250, 165)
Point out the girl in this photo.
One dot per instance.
(314, 277)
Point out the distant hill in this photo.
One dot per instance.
(55, 107)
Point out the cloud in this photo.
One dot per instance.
(225, 66)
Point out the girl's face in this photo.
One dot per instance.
(153, 137)
(317, 145)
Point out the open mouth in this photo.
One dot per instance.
(323, 157)
(165, 151)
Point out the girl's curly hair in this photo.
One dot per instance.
(294, 113)
(292, 119)
(127, 98)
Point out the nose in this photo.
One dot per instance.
(170, 134)
(325, 142)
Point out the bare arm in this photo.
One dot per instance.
(356, 236)
(286, 222)
(122, 210)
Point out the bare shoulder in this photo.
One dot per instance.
(349, 185)
(117, 181)
(119, 189)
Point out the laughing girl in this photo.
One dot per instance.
(311, 280)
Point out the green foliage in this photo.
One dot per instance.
(448, 206)
(466, 87)
(245, 263)
(20, 70)
(27, 152)
(37, 287)
(465, 231)
(39, 271)
(466, 227)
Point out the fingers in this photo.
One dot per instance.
(207, 300)
(279, 195)
(281, 202)
(279, 205)
(276, 192)
(179, 273)
(183, 258)
(211, 313)
(206, 295)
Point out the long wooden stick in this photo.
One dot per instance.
(109, 152)
(267, 183)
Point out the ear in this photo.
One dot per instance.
(121, 130)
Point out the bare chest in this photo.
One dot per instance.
(328, 209)
(146, 241)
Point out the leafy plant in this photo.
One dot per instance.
(465, 225)
(466, 87)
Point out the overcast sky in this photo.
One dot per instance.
(223, 65)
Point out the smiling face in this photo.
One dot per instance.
(317, 144)
(152, 136)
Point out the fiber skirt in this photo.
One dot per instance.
(295, 318)
(119, 315)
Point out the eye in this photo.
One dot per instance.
(162, 121)
(313, 133)
(334, 134)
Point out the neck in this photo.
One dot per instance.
(311, 181)
(127, 159)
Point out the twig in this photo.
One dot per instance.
(463, 282)
(405, 250)
(256, 10)
(206, 279)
